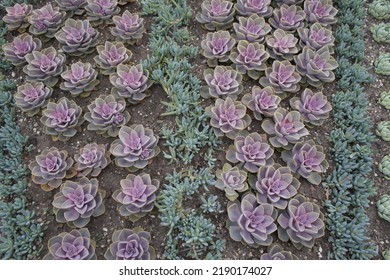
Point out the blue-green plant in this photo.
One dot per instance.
(384, 99)
(381, 32)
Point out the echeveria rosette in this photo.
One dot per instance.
(130, 244)
(136, 196)
(80, 79)
(249, 58)
(50, 167)
(383, 205)
(308, 160)
(101, 11)
(135, 148)
(222, 82)
(228, 117)
(316, 37)
(72, 7)
(383, 130)
(251, 29)
(250, 152)
(129, 28)
(232, 180)
(262, 101)
(16, 51)
(261, 8)
(384, 99)
(301, 222)
(275, 252)
(217, 46)
(91, 160)
(31, 97)
(46, 21)
(321, 11)
(62, 119)
(216, 14)
(314, 107)
(288, 18)
(16, 17)
(384, 167)
(250, 222)
(77, 202)
(74, 245)
(282, 45)
(44, 66)
(274, 185)
(107, 115)
(381, 32)
(382, 64)
(110, 56)
(380, 9)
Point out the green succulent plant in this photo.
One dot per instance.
(380, 9)
(382, 64)
(386, 254)
(383, 205)
(381, 32)
(384, 166)
(384, 99)
(383, 130)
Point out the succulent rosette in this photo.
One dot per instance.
(62, 119)
(91, 160)
(251, 29)
(250, 151)
(16, 51)
(228, 117)
(136, 196)
(232, 180)
(282, 45)
(135, 147)
(74, 245)
(216, 14)
(107, 115)
(383, 130)
(46, 20)
(129, 28)
(249, 7)
(130, 244)
(288, 18)
(308, 160)
(380, 9)
(383, 205)
(31, 97)
(301, 222)
(110, 56)
(262, 101)
(275, 252)
(79, 79)
(101, 11)
(50, 168)
(384, 99)
(17, 16)
(316, 37)
(250, 222)
(217, 46)
(384, 167)
(222, 82)
(321, 11)
(72, 7)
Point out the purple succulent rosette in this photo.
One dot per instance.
(50, 168)
(316, 37)
(101, 11)
(74, 245)
(129, 28)
(107, 115)
(137, 196)
(79, 79)
(275, 252)
(308, 160)
(216, 14)
(31, 97)
(250, 151)
(91, 160)
(321, 11)
(130, 244)
(249, 58)
(222, 82)
(302, 223)
(217, 46)
(250, 222)
(62, 119)
(288, 18)
(262, 102)
(282, 45)
(232, 180)
(16, 51)
(254, 7)
(72, 7)
(44, 66)
(274, 185)
(228, 117)
(285, 129)
(135, 147)
(46, 21)
(314, 107)
(17, 16)
(110, 56)
(251, 29)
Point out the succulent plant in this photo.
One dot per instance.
(16, 51)
(383, 130)
(251, 29)
(308, 160)
(302, 222)
(79, 79)
(77, 37)
(46, 20)
(136, 196)
(384, 166)
(249, 7)
(282, 45)
(380, 9)
(91, 160)
(228, 117)
(62, 119)
(107, 115)
(128, 28)
(232, 180)
(50, 168)
(381, 32)
(17, 16)
(216, 14)
(101, 11)
(72, 6)
(386, 254)
(383, 205)
(75, 245)
(382, 64)
(283, 77)
(77, 202)
(276, 252)
(31, 97)
(316, 67)
(384, 99)
(44, 66)
(249, 58)
(316, 37)
(130, 244)
(135, 147)
(251, 151)
(250, 222)
(262, 101)
(288, 18)
(217, 46)
(110, 56)
(321, 11)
